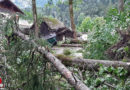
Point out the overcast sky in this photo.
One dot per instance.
(27, 3)
(22, 3)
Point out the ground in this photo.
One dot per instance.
(75, 51)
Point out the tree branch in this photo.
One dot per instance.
(77, 84)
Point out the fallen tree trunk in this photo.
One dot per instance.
(73, 41)
(72, 79)
(71, 45)
(93, 64)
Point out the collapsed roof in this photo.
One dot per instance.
(9, 7)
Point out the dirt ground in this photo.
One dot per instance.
(74, 50)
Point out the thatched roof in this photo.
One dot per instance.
(9, 7)
(53, 23)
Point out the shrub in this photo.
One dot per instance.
(100, 37)
(99, 40)
(67, 52)
(86, 25)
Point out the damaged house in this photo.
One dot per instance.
(54, 26)
(52, 30)
(6, 6)
(9, 9)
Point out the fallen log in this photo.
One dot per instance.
(75, 41)
(69, 76)
(92, 64)
(71, 45)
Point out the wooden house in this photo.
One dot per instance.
(54, 26)
(50, 27)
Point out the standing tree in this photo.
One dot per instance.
(72, 18)
(121, 5)
(35, 17)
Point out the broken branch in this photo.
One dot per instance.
(73, 80)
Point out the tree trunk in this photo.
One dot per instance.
(71, 45)
(72, 18)
(69, 76)
(110, 2)
(93, 64)
(121, 6)
(35, 17)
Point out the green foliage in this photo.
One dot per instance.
(101, 32)
(80, 18)
(108, 78)
(67, 52)
(28, 15)
(100, 37)
(119, 19)
(27, 69)
(8, 29)
(87, 24)
(60, 10)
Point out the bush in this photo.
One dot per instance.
(101, 32)
(121, 20)
(100, 37)
(86, 25)
(67, 52)
(99, 40)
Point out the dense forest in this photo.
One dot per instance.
(65, 45)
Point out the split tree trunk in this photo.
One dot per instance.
(121, 6)
(69, 76)
(72, 18)
(35, 17)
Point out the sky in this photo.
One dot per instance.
(27, 3)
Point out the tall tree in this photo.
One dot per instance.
(121, 5)
(72, 18)
(35, 17)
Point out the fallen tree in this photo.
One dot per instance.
(69, 76)
(71, 45)
(92, 64)
(73, 41)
